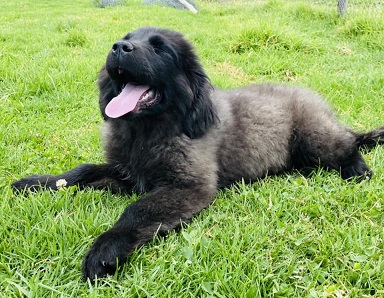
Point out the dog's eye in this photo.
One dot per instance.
(128, 36)
(157, 43)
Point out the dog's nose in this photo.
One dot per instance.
(122, 47)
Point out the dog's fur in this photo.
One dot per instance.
(196, 139)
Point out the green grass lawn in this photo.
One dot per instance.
(285, 236)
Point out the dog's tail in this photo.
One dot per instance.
(370, 139)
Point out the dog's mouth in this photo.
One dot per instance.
(132, 98)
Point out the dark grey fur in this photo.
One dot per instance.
(195, 140)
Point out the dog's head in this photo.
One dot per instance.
(151, 71)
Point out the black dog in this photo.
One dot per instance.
(170, 134)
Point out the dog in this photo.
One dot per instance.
(170, 134)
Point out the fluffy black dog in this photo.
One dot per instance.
(168, 133)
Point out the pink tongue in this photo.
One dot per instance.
(126, 101)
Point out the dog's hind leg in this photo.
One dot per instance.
(85, 175)
(329, 145)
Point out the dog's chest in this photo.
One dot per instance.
(145, 157)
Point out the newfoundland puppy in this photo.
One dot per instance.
(168, 133)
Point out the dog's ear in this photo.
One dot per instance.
(202, 113)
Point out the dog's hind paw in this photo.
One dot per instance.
(358, 171)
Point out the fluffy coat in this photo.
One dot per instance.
(191, 139)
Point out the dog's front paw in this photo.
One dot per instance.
(31, 183)
(108, 252)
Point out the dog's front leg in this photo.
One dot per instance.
(161, 210)
(85, 175)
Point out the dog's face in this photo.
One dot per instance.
(152, 58)
(156, 71)
(148, 56)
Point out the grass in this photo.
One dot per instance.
(285, 236)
